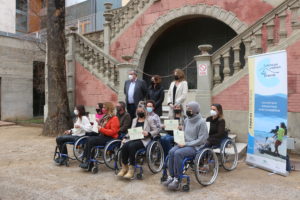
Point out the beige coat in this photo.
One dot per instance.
(180, 96)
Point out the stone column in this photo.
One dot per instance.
(71, 68)
(123, 69)
(204, 79)
(107, 29)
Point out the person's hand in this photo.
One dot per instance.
(123, 141)
(162, 126)
(145, 133)
(180, 128)
(76, 126)
(97, 120)
(67, 132)
(171, 106)
(99, 127)
(180, 145)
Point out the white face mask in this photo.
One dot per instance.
(130, 77)
(213, 112)
(76, 112)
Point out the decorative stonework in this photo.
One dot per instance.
(196, 10)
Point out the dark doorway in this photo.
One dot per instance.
(38, 88)
(177, 46)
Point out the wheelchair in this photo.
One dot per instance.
(205, 164)
(78, 148)
(153, 154)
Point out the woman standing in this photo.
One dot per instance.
(130, 148)
(81, 126)
(177, 92)
(217, 126)
(108, 128)
(156, 93)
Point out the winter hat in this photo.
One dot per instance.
(194, 106)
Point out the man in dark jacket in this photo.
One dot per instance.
(124, 118)
(135, 91)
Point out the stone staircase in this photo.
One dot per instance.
(272, 32)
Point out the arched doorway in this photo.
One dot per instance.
(177, 46)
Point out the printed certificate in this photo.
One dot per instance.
(136, 133)
(179, 137)
(171, 125)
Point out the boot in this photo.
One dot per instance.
(123, 171)
(130, 172)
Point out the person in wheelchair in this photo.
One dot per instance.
(130, 147)
(217, 126)
(195, 135)
(150, 107)
(124, 118)
(81, 126)
(167, 141)
(108, 128)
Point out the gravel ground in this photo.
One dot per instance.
(27, 172)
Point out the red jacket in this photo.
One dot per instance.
(111, 128)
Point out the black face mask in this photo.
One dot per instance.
(177, 111)
(98, 110)
(141, 114)
(176, 77)
(118, 109)
(189, 113)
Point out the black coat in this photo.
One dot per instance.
(140, 91)
(216, 131)
(157, 95)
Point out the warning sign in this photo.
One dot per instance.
(202, 69)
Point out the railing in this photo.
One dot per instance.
(258, 38)
(93, 58)
(96, 37)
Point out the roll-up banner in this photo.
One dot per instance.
(267, 128)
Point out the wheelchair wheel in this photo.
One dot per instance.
(206, 167)
(99, 155)
(94, 170)
(110, 152)
(186, 188)
(78, 148)
(139, 176)
(155, 157)
(56, 153)
(229, 155)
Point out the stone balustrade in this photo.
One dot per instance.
(258, 38)
(96, 61)
(96, 37)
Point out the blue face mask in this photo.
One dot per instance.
(149, 109)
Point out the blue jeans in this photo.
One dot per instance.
(167, 143)
(176, 157)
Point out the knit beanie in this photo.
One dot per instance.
(195, 107)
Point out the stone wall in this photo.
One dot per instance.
(16, 72)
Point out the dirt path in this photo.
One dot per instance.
(27, 172)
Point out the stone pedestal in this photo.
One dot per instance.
(204, 79)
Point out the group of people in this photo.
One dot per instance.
(144, 108)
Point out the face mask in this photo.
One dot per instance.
(177, 111)
(130, 77)
(76, 112)
(98, 110)
(176, 77)
(118, 108)
(141, 114)
(213, 112)
(149, 109)
(104, 111)
(189, 113)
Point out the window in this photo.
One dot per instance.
(21, 15)
(84, 26)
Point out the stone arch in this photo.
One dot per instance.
(169, 19)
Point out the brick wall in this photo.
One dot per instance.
(90, 90)
(125, 44)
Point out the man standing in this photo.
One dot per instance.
(124, 118)
(135, 91)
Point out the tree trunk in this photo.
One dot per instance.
(58, 119)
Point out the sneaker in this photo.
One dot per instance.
(84, 165)
(174, 185)
(168, 181)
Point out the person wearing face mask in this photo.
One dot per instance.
(156, 93)
(108, 129)
(81, 126)
(124, 118)
(135, 91)
(167, 141)
(177, 92)
(150, 107)
(129, 148)
(99, 113)
(195, 135)
(217, 126)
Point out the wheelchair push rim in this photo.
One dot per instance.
(78, 148)
(206, 167)
(155, 157)
(110, 153)
(229, 155)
